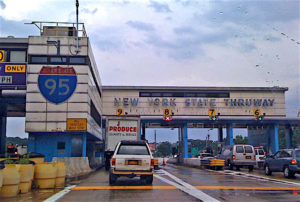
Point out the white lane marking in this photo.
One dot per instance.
(235, 173)
(60, 194)
(187, 188)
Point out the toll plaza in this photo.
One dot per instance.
(260, 110)
(52, 80)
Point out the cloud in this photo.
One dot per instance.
(140, 25)
(160, 7)
(16, 28)
(2, 4)
(86, 10)
(184, 30)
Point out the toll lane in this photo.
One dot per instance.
(178, 183)
(226, 187)
(96, 188)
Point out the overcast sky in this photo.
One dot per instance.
(180, 43)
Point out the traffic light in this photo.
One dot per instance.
(214, 117)
(261, 117)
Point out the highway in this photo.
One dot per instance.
(178, 183)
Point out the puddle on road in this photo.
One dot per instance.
(34, 195)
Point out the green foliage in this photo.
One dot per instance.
(164, 149)
(9, 161)
(240, 140)
(24, 159)
(16, 140)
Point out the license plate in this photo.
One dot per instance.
(248, 157)
(133, 163)
(261, 158)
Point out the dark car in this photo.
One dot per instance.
(286, 161)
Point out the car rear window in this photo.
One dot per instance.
(297, 153)
(133, 150)
(239, 149)
(261, 152)
(248, 149)
(206, 155)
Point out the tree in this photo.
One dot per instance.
(164, 149)
(240, 140)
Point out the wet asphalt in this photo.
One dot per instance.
(221, 185)
(193, 176)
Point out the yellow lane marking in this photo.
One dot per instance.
(173, 187)
(123, 187)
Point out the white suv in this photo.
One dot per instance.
(131, 159)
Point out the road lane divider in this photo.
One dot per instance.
(185, 187)
(85, 188)
(60, 194)
(257, 177)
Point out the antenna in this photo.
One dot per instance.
(77, 42)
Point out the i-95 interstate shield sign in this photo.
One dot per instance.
(57, 84)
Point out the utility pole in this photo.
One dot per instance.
(155, 140)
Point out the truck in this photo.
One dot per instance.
(118, 129)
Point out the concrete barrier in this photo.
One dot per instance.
(193, 162)
(75, 166)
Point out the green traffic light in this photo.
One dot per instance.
(214, 118)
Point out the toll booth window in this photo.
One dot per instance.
(61, 146)
(77, 60)
(38, 59)
(297, 153)
(239, 149)
(248, 149)
(58, 60)
(17, 56)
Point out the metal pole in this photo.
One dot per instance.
(77, 42)
(155, 140)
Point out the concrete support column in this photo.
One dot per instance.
(288, 137)
(220, 134)
(273, 134)
(185, 140)
(84, 145)
(143, 137)
(3, 121)
(31, 143)
(229, 133)
(180, 146)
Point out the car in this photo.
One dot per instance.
(204, 156)
(238, 156)
(260, 156)
(132, 159)
(286, 161)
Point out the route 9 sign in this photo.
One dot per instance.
(57, 84)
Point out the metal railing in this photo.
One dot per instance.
(40, 25)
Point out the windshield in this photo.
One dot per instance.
(261, 152)
(239, 149)
(133, 150)
(248, 149)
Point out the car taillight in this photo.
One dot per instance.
(152, 162)
(254, 157)
(233, 156)
(113, 161)
(294, 162)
